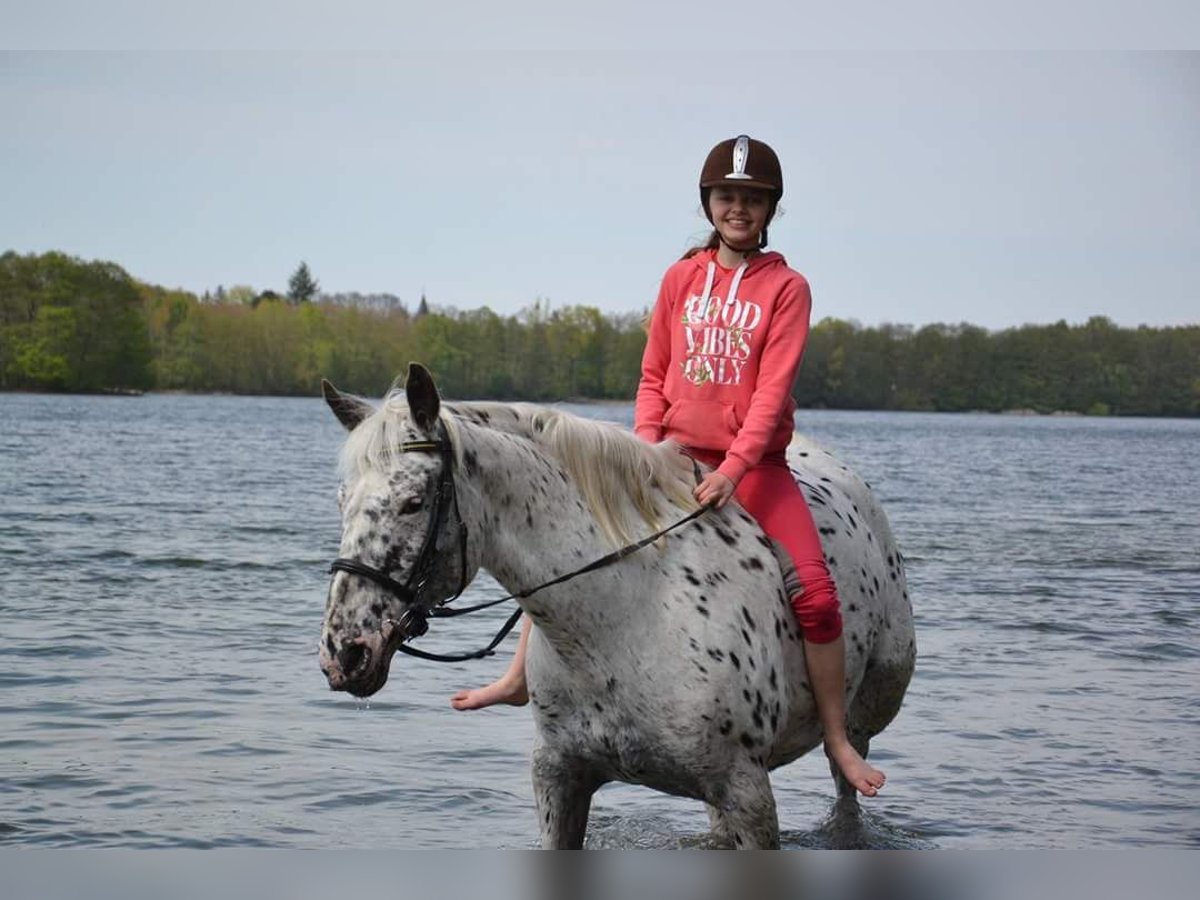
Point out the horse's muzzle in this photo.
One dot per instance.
(360, 665)
(353, 657)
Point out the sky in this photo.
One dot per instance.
(996, 187)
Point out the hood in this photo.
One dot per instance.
(759, 263)
(707, 261)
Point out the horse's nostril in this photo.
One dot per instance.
(351, 657)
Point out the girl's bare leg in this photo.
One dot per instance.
(827, 673)
(509, 688)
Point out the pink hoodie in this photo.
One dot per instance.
(723, 352)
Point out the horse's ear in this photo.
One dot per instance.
(349, 409)
(423, 399)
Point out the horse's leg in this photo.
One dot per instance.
(720, 827)
(746, 817)
(562, 789)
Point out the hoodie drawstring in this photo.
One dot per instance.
(737, 280)
(733, 287)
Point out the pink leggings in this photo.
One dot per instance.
(769, 493)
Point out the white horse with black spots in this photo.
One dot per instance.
(680, 667)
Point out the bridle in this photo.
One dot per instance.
(414, 621)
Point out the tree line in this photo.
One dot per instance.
(73, 325)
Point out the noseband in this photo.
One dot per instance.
(414, 622)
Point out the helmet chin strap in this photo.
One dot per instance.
(742, 250)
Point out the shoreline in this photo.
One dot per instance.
(1019, 412)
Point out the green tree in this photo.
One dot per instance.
(66, 324)
(241, 295)
(43, 354)
(302, 287)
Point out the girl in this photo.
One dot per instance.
(726, 338)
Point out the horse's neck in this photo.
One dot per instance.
(533, 522)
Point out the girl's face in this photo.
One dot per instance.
(739, 214)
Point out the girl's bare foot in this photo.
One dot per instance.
(866, 779)
(503, 690)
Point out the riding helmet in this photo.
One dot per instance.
(742, 162)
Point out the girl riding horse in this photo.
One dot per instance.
(725, 342)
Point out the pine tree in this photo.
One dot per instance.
(301, 286)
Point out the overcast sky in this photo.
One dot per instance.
(995, 188)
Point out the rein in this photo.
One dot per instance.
(414, 621)
(489, 650)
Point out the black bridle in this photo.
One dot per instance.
(414, 621)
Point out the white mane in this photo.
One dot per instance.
(621, 478)
(615, 471)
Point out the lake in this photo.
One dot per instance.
(165, 561)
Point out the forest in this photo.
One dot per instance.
(70, 325)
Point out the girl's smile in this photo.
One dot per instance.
(739, 215)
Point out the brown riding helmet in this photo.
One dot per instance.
(742, 162)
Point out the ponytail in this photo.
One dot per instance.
(713, 242)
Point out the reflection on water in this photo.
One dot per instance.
(165, 560)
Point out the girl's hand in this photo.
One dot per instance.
(715, 490)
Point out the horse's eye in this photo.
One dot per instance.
(412, 506)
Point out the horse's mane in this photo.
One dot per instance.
(622, 478)
(615, 471)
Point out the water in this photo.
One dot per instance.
(163, 582)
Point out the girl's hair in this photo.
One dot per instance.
(714, 239)
(713, 242)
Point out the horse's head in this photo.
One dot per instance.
(402, 551)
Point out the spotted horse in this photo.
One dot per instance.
(680, 667)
